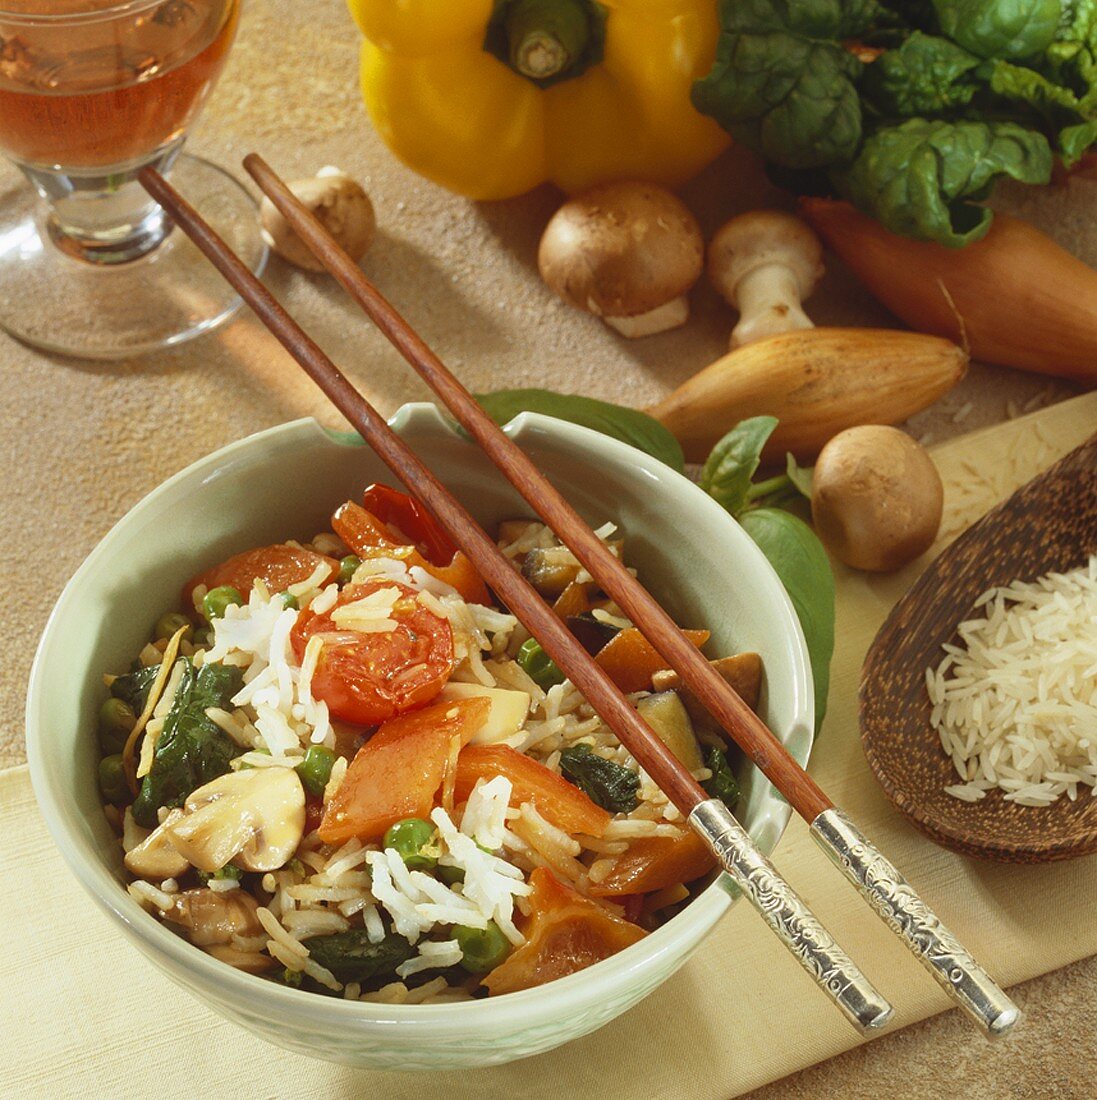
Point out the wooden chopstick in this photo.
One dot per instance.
(785, 913)
(718, 697)
(878, 881)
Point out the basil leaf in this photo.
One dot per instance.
(727, 473)
(352, 957)
(628, 425)
(922, 179)
(800, 476)
(722, 784)
(798, 558)
(133, 688)
(192, 749)
(610, 785)
(1000, 28)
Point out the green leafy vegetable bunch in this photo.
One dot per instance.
(911, 109)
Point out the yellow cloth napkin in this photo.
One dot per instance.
(83, 1014)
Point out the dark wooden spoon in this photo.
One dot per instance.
(1048, 525)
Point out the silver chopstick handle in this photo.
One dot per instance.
(917, 925)
(787, 915)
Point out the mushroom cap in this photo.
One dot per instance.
(759, 238)
(876, 498)
(621, 249)
(339, 202)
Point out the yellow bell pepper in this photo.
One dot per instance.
(588, 92)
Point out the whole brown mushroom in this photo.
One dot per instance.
(765, 263)
(339, 202)
(876, 498)
(626, 252)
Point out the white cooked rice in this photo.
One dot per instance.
(1015, 704)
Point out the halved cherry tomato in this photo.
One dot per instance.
(552, 796)
(276, 566)
(654, 862)
(398, 771)
(631, 660)
(368, 537)
(368, 678)
(412, 522)
(565, 932)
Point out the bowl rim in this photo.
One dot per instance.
(523, 1006)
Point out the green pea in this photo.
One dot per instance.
(538, 665)
(116, 719)
(412, 839)
(168, 624)
(289, 600)
(449, 875)
(315, 769)
(347, 567)
(112, 780)
(482, 949)
(217, 599)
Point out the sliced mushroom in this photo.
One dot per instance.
(626, 252)
(212, 918)
(667, 716)
(253, 962)
(550, 569)
(255, 817)
(743, 671)
(156, 857)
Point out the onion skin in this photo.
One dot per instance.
(817, 382)
(1014, 298)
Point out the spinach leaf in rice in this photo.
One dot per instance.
(191, 749)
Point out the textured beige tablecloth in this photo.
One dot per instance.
(82, 442)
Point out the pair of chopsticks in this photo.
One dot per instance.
(879, 881)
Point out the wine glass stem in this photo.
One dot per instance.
(102, 216)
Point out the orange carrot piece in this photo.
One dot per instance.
(655, 862)
(552, 796)
(398, 771)
(574, 600)
(565, 932)
(368, 537)
(631, 660)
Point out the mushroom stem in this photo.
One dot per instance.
(547, 37)
(667, 316)
(768, 299)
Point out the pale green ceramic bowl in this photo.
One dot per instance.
(284, 483)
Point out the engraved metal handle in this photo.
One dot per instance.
(917, 925)
(787, 915)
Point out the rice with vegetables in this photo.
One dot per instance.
(340, 766)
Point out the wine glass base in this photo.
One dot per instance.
(97, 311)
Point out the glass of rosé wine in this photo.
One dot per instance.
(92, 91)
